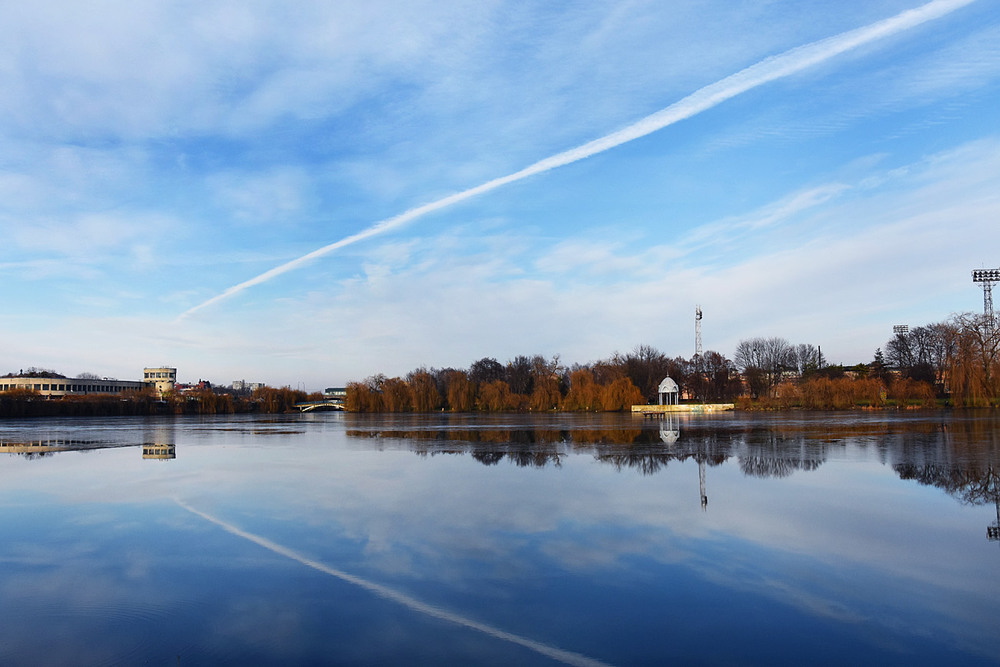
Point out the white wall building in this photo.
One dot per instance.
(52, 385)
(163, 379)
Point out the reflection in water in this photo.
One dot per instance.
(969, 484)
(35, 449)
(959, 456)
(670, 429)
(566, 657)
(965, 468)
(155, 439)
(159, 452)
(374, 558)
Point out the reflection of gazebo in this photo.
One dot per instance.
(669, 393)
(670, 430)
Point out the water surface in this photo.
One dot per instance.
(510, 539)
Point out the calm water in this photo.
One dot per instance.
(576, 539)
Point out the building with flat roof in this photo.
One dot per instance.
(163, 379)
(54, 385)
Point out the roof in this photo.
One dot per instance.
(668, 386)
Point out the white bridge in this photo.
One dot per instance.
(326, 404)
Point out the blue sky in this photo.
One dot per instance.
(157, 156)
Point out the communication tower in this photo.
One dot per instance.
(987, 277)
(697, 331)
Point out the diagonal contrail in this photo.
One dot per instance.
(765, 71)
(563, 656)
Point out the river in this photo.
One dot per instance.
(820, 538)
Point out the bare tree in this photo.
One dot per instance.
(519, 376)
(922, 352)
(646, 367)
(486, 370)
(763, 361)
(807, 358)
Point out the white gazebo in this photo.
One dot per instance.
(669, 393)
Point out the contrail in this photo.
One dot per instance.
(765, 71)
(566, 657)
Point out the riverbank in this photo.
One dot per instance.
(28, 404)
(657, 410)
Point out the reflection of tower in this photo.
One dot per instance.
(701, 483)
(993, 531)
(697, 331)
(670, 432)
(159, 452)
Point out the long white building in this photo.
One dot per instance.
(162, 379)
(59, 386)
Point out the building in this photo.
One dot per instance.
(668, 392)
(163, 379)
(54, 385)
(243, 385)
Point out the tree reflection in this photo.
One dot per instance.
(971, 485)
(958, 453)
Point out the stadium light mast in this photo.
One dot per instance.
(987, 277)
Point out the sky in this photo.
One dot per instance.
(309, 193)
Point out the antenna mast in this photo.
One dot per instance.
(697, 331)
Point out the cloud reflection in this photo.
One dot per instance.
(566, 657)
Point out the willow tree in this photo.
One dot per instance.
(974, 371)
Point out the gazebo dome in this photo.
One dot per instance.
(668, 386)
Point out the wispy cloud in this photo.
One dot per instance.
(765, 71)
(769, 216)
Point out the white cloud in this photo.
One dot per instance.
(277, 195)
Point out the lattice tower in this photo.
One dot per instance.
(987, 277)
(697, 331)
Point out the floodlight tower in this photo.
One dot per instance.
(987, 277)
(900, 329)
(697, 331)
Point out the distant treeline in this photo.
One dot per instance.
(540, 384)
(956, 362)
(26, 403)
